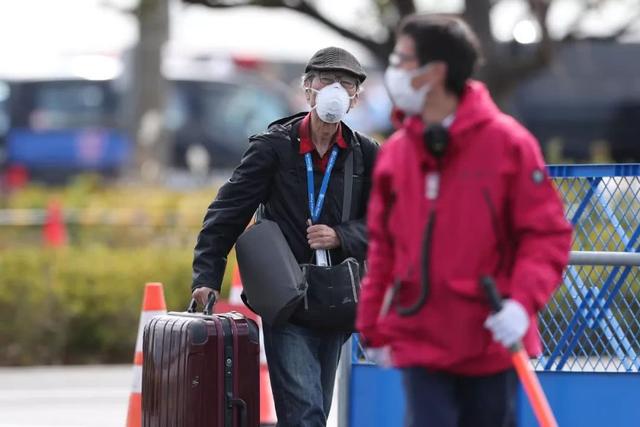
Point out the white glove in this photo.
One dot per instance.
(380, 356)
(508, 325)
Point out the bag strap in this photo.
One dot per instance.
(348, 187)
(353, 164)
(260, 212)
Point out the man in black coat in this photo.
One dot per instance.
(274, 172)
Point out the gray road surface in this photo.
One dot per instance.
(88, 396)
(73, 396)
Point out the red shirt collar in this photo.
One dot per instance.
(306, 145)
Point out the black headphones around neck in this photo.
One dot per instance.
(436, 139)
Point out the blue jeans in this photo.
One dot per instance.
(302, 369)
(440, 399)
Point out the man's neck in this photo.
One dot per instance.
(322, 133)
(440, 104)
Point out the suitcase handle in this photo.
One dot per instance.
(208, 308)
(243, 410)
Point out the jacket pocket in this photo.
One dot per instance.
(471, 289)
(465, 337)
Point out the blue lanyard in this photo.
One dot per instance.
(316, 207)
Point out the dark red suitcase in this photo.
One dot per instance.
(201, 371)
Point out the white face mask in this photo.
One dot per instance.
(403, 95)
(332, 102)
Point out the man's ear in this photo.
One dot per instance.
(307, 94)
(355, 101)
(439, 71)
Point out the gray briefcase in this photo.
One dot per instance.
(271, 277)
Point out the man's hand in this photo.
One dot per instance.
(201, 295)
(322, 237)
(509, 324)
(381, 356)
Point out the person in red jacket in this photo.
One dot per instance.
(460, 191)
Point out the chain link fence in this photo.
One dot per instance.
(591, 323)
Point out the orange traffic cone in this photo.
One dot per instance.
(54, 232)
(153, 304)
(267, 407)
(236, 287)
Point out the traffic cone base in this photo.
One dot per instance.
(267, 407)
(134, 415)
(236, 287)
(54, 231)
(153, 304)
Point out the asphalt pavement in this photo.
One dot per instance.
(71, 396)
(77, 396)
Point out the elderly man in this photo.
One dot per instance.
(307, 148)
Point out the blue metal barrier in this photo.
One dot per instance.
(591, 324)
(590, 329)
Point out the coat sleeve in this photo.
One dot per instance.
(353, 234)
(541, 233)
(229, 214)
(380, 258)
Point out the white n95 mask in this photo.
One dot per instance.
(403, 95)
(332, 102)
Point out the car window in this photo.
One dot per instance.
(228, 113)
(243, 111)
(68, 105)
(5, 92)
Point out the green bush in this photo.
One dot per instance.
(82, 305)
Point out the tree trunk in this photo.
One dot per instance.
(149, 91)
(506, 66)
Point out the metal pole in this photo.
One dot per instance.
(604, 258)
(344, 381)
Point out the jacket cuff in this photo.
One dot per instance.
(208, 274)
(340, 233)
(528, 303)
(372, 339)
(195, 286)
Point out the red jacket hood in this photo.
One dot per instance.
(474, 108)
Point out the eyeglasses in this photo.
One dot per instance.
(347, 82)
(397, 58)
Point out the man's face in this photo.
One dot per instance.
(405, 57)
(404, 54)
(322, 79)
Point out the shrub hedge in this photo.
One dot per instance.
(82, 305)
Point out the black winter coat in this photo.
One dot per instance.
(272, 172)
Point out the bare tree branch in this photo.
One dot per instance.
(502, 71)
(110, 6)
(544, 51)
(380, 50)
(625, 27)
(374, 46)
(477, 16)
(405, 7)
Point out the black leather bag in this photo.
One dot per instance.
(331, 298)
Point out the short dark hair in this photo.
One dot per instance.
(444, 38)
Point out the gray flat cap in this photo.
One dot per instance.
(335, 58)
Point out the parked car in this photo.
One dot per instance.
(65, 125)
(4, 119)
(217, 117)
